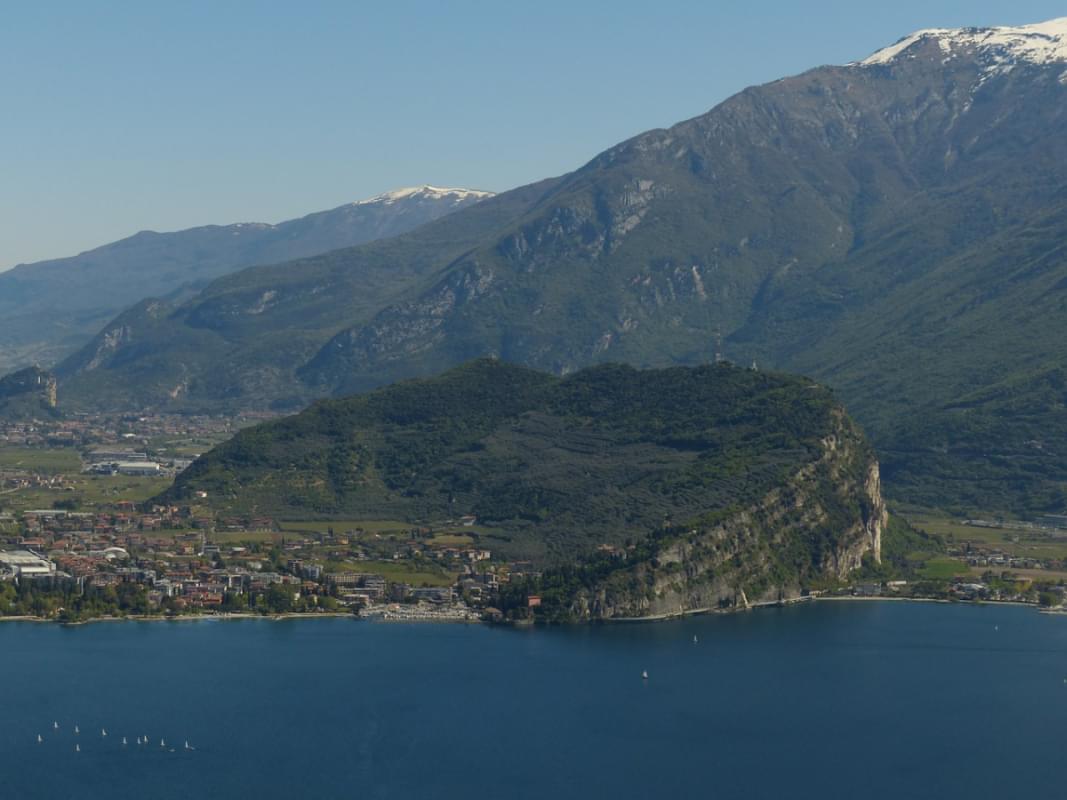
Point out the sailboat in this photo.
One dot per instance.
(644, 675)
(39, 739)
(187, 747)
(694, 639)
(123, 741)
(76, 731)
(162, 743)
(77, 748)
(103, 731)
(55, 726)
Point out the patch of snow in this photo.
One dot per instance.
(997, 48)
(426, 192)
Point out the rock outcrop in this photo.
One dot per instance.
(819, 525)
(28, 392)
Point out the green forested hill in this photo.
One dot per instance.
(556, 465)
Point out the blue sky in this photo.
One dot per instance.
(118, 117)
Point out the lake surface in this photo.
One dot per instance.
(866, 699)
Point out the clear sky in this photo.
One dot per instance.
(122, 116)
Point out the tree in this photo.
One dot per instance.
(279, 598)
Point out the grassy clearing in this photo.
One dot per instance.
(1022, 543)
(387, 526)
(229, 539)
(51, 461)
(957, 530)
(398, 571)
(1036, 575)
(88, 491)
(944, 569)
(451, 540)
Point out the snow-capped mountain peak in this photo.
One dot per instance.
(425, 192)
(1041, 43)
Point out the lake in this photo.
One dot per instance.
(829, 699)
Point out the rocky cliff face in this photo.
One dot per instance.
(28, 392)
(820, 524)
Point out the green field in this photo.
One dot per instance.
(229, 539)
(1022, 543)
(387, 526)
(51, 461)
(451, 540)
(88, 492)
(944, 569)
(398, 572)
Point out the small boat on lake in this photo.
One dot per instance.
(644, 675)
(39, 739)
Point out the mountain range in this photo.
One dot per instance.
(893, 227)
(51, 308)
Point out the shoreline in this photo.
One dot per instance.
(185, 618)
(388, 619)
(831, 598)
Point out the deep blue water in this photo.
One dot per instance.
(883, 700)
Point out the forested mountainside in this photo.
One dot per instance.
(893, 228)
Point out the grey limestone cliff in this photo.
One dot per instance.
(819, 525)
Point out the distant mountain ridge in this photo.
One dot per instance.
(49, 308)
(894, 228)
(998, 48)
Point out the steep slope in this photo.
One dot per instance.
(51, 307)
(28, 393)
(557, 466)
(893, 227)
(239, 342)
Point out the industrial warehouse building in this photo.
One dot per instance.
(142, 468)
(24, 564)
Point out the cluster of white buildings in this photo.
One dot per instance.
(16, 564)
(114, 461)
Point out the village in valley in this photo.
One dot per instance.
(76, 528)
(81, 539)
